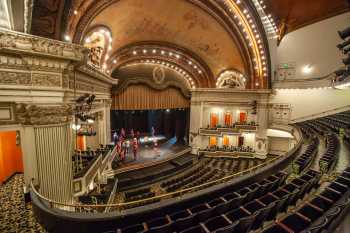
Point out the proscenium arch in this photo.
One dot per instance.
(218, 10)
(186, 60)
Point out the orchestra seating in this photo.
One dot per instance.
(141, 177)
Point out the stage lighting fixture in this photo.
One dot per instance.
(345, 33)
(82, 98)
(344, 44)
(346, 61)
(90, 99)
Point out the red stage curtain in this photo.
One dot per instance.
(141, 97)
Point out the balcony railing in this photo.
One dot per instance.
(179, 194)
(235, 129)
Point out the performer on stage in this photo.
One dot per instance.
(122, 133)
(138, 136)
(115, 137)
(153, 131)
(132, 134)
(135, 147)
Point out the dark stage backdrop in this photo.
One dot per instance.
(170, 122)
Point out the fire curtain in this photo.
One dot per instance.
(142, 97)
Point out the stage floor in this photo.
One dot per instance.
(147, 154)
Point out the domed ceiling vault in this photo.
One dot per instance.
(218, 35)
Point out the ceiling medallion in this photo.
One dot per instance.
(158, 74)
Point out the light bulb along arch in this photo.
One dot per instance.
(183, 61)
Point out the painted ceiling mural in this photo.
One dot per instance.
(224, 35)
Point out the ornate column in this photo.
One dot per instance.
(48, 147)
(261, 146)
(108, 105)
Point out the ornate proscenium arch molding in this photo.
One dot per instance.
(188, 64)
(161, 86)
(239, 18)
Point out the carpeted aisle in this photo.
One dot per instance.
(15, 215)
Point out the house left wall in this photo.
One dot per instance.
(11, 160)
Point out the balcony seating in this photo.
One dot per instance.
(306, 158)
(322, 212)
(132, 229)
(218, 222)
(195, 229)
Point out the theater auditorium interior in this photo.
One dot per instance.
(174, 116)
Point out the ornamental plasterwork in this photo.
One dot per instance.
(231, 79)
(39, 45)
(97, 74)
(32, 63)
(43, 115)
(15, 78)
(48, 80)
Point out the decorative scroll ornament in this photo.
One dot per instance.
(158, 74)
(231, 79)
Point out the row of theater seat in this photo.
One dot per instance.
(329, 158)
(188, 174)
(322, 212)
(184, 218)
(234, 165)
(239, 211)
(306, 158)
(138, 194)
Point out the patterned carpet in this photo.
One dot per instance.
(15, 215)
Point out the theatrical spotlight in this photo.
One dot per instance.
(90, 99)
(82, 98)
(345, 33)
(343, 45)
(346, 61)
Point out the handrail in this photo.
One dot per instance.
(120, 205)
(112, 195)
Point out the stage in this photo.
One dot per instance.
(149, 155)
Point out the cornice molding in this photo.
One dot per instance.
(15, 42)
